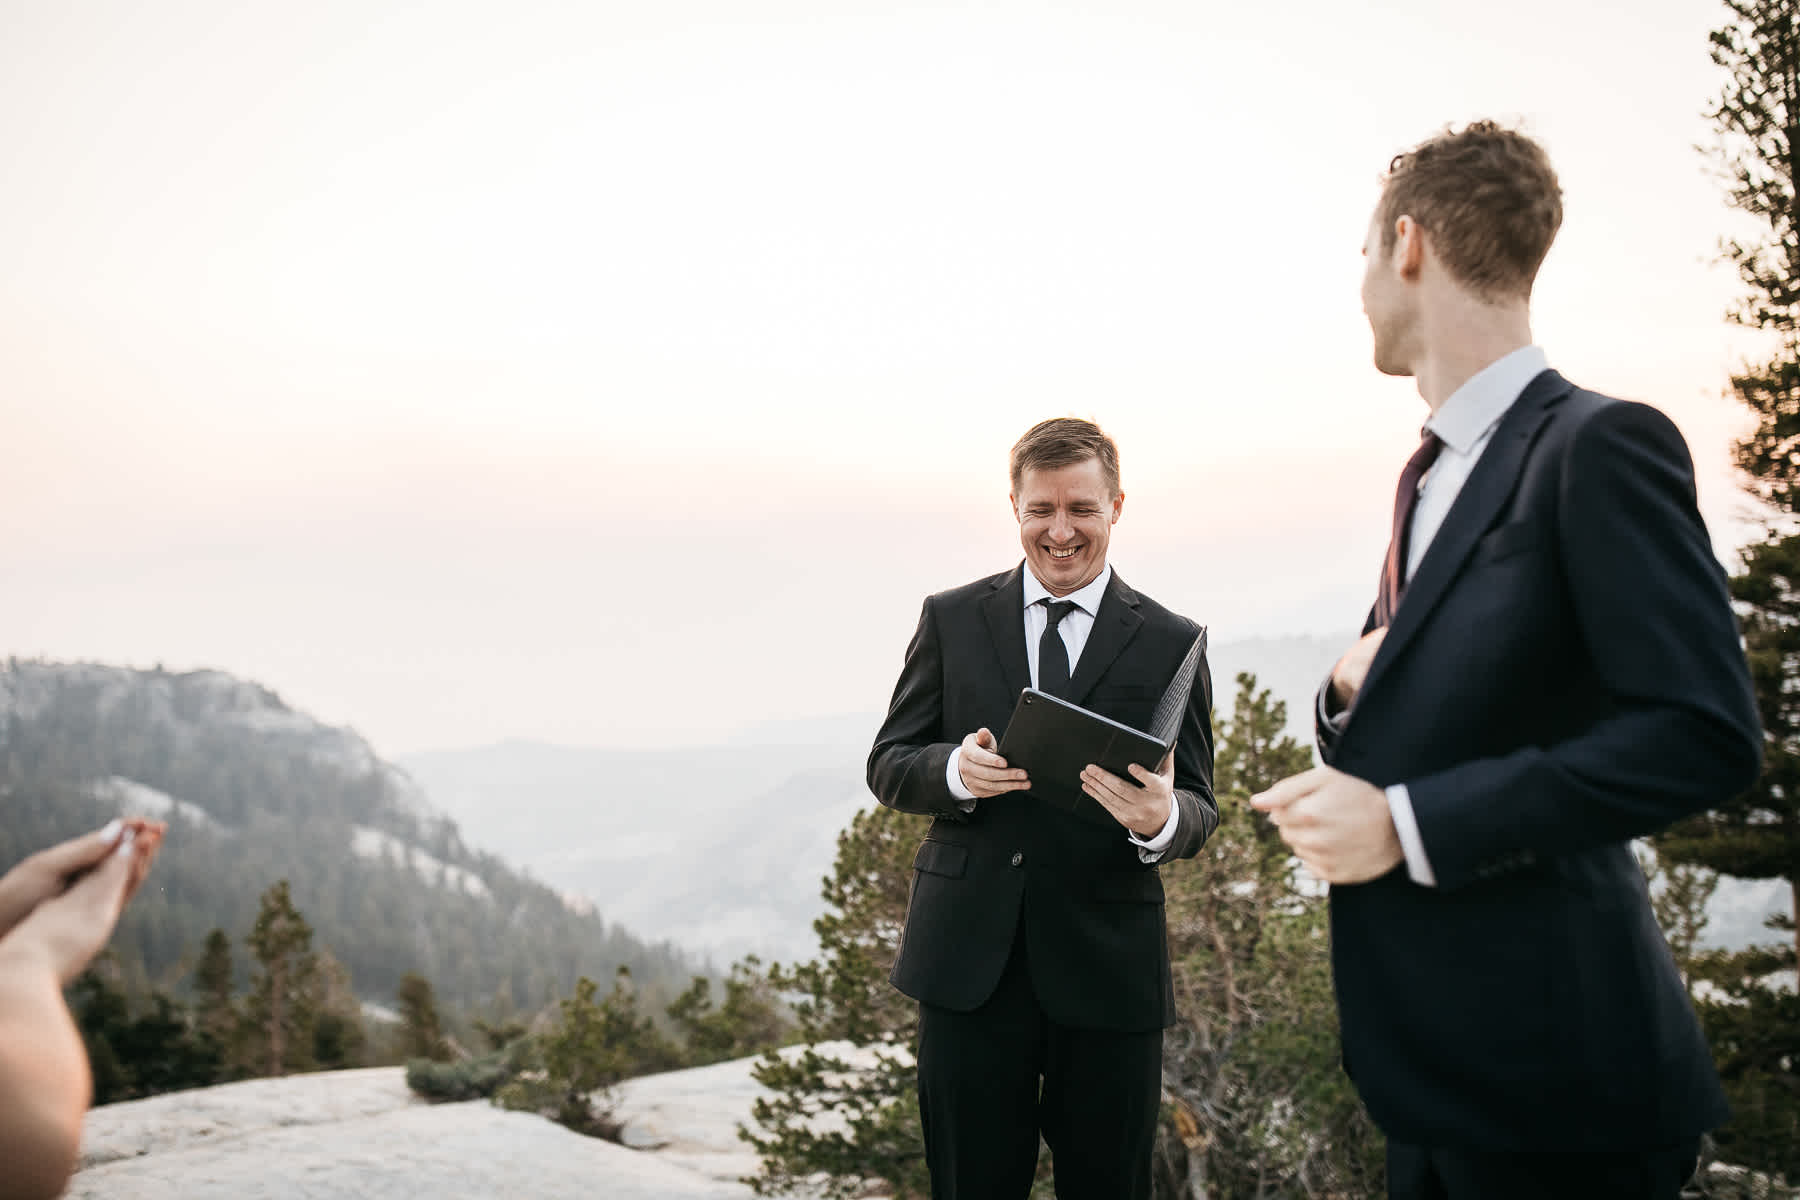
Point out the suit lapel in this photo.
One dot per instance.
(1004, 610)
(1114, 625)
(1471, 515)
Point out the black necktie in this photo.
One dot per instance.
(1053, 656)
(1406, 498)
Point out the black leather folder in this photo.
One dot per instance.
(1054, 740)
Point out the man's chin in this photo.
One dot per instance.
(1062, 579)
(1398, 370)
(1389, 363)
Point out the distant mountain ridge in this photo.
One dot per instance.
(256, 791)
(718, 848)
(722, 848)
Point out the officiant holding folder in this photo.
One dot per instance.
(1034, 938)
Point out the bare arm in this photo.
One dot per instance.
(43, 1077)
(45, 1085)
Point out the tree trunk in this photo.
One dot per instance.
(277, 1017)
(1196, 1175)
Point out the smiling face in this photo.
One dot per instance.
(1066, 515)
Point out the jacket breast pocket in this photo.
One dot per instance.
(941, 858)
(1507, 541)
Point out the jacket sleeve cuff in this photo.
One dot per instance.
(1153, 850)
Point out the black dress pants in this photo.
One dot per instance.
(991, 1080)
(1423, 1173)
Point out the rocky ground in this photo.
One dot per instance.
(363, 1134)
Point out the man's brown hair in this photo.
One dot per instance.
(1488, 201)
(1063, 442)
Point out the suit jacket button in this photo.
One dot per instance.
(1018, 860)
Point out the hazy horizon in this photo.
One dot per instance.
(561, 373)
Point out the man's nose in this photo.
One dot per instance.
(1062, 529)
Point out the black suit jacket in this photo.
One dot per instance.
(1564, 674)
(1093, 912)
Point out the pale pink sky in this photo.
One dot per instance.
(475, 370)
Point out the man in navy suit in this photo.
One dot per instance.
(1551, 669)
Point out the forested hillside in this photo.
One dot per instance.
(255, 792)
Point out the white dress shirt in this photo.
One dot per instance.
(1466, 423)
(1075, 627)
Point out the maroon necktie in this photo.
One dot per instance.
(1406, 498)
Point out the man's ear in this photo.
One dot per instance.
(1118, 507)
(1409, 248)
(1012, 498)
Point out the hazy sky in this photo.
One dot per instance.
(620, 373)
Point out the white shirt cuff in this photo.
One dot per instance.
(1407, 826)
(964, 797)
(1152, 850)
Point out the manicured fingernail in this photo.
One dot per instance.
(125, 843)
(110, 830)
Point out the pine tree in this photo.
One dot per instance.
(871, 1128)
(631, 1035)
(164, 1052)
(159, 1050)
(1679, 894)
(215, 1004)
(103, 1014)
(1258, 1103)
(281, 992)
(593, 1047)
(421, 1033)
(338, 1036)
(749, 1021)
(581, 1064)
(1754, 1029)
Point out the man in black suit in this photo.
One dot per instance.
(1034, 937)
(1551, 669)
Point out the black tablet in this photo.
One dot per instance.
(1054, 740)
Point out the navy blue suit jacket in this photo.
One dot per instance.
(1564, 674)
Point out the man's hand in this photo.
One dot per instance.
(983, 771)
(1142, 807)
(1337, 824)
(1347, 677)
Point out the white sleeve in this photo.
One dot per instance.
(1152, 850)
(953, 777)
(1407, 826)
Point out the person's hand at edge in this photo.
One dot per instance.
(48, 873)
(67, 929)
